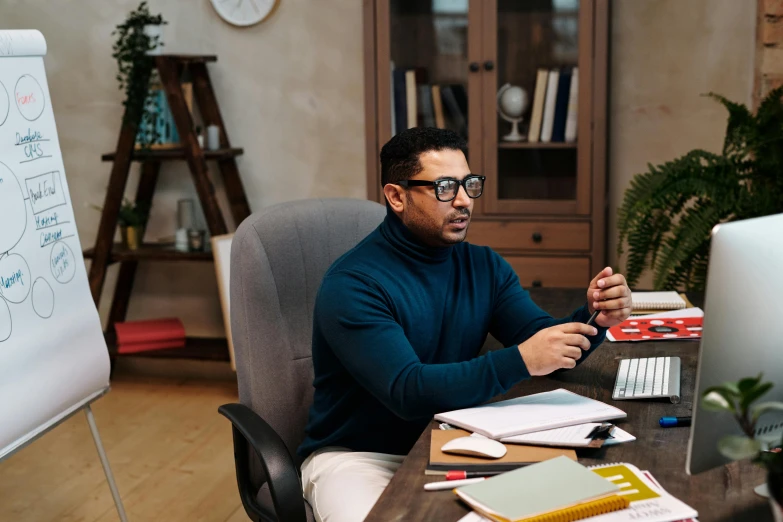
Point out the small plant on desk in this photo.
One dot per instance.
(738, 398)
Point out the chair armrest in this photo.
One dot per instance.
(285, 485)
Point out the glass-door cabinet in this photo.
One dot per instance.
(525, 82)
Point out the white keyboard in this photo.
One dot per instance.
(648, 378)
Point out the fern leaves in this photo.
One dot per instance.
(669, 211)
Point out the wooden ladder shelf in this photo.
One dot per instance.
(170, 68)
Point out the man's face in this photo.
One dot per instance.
(438, 223)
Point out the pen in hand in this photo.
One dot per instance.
(593, 317)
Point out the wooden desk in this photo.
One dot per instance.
(724, 493)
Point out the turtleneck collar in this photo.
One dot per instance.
(406, 242)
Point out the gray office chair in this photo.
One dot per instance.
(278, 258)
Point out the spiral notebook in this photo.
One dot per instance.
(556, 490)
(647, 500)
(644, 301)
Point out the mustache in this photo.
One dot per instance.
(464, 213)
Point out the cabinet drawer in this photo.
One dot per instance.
(530, 235)
(551, 272)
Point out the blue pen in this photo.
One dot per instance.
(671, 422)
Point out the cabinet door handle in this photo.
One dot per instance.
(474, 67)
(488, 65)
(537, 237)
(537, 283)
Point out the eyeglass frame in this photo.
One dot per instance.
(434, 184)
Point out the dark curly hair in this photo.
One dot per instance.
(400, 155)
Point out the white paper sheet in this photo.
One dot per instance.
(53, 357)
(538, 412)
(569, 436)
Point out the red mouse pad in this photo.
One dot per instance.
(640, 329)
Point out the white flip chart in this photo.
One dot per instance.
(53, 357)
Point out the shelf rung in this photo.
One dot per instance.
(151, 252)
(177, 153)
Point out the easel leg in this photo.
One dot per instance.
(105, 462)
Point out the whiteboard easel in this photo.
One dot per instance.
(53, 357)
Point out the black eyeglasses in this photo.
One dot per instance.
(447, 189)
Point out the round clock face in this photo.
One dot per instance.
(244, 12)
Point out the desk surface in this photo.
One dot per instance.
(724, 493)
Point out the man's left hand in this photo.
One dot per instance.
(610, 294)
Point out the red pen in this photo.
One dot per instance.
(460, 475)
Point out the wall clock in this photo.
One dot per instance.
(243, 13)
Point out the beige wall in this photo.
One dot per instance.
(664, 55)
(291, 92)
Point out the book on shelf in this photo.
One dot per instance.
(554, 113)
(163, 133)
(549, 106)
(425, 107)
(418, 102)
(561, 106)
(410, 98)
(537, 112)
(573, 108)
(437, 105)
(152, 334)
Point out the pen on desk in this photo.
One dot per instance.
(460, 475)
(671, 422)
(451, 484)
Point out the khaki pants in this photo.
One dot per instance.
(343, 485)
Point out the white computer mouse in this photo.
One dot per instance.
(475, 447)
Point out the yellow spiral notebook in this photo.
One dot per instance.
(556, 490)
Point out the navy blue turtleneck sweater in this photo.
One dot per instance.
(396, 333)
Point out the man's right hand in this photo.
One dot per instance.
(556, 347)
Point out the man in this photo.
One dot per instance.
(400, 319)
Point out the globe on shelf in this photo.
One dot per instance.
(512, 104)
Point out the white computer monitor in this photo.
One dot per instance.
(743, 315)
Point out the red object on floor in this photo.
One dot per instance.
(154, 334)
(655, 329)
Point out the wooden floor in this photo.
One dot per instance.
(170, 451)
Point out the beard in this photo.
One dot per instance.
(435, 231)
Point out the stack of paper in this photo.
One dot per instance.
(532, 413)
(557, 489)
(571, 436)
(649, 502)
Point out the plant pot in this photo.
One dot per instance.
(152, 31)
(131, 236)
(775, 486)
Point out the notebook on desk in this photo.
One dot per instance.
(516, 456)
(537, 412)
(555, 490)
(650, 302)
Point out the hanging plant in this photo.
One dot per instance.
(136, 69)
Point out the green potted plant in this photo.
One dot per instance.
(132, 220)
(137, 38)
(668, 212)
(738, 398)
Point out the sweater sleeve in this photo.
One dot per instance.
(354, 316)
(516, 317)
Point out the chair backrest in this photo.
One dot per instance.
(278, 258)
